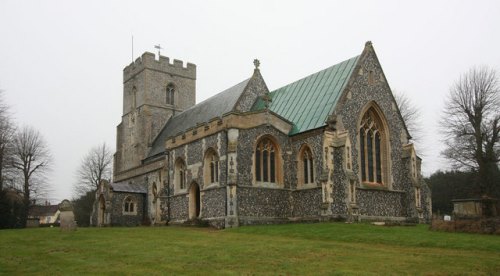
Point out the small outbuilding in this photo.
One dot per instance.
(475, 207)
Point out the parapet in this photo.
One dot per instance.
(147, 60)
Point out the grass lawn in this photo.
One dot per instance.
(296, 249)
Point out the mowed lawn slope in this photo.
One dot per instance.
(297, 249)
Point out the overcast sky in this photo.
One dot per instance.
(61, 62)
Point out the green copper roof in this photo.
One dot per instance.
(309, 101)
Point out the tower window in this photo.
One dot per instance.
(170, 91)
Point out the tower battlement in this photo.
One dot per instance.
(148, 61)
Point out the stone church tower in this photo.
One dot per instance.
(153, 91)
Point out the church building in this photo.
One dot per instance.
(330, 146)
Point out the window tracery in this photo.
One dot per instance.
(306, 166)
(371, 135)
(128, 205)
(211, 167)
(266, 154)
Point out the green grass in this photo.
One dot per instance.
(295, 249)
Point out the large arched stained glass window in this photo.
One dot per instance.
(371, 136)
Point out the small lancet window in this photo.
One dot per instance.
(134, 98)
(307, 166)
(180, 174)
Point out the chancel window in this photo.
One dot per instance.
(128, 205)
(170, 91)
(266, 154)
(306, 166)
(371, 136)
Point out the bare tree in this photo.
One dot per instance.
(471, 124)
(95, 167)
(31, 158)
(6, 134)
(411, 115)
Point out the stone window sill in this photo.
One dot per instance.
(269, 185)
(129, 214)
(181, 192)
(374, 186)
(212, 186)
(307, 186)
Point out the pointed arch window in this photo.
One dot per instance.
(211, 171)
(170, 91)
(372, 151)
(306, 166)
(129, 206)
(266, 163)
(180, 174)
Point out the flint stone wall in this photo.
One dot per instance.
(307, 202)
(263, 202)
(213, 202)
(118, 218)
(179, 207)
(381, 203)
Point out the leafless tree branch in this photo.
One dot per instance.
(95, 166)
(471, 125)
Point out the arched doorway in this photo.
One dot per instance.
(194, 201)
(102, 209)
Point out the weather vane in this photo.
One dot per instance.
(159, 48)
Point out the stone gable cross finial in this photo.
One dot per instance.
(256, 62)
